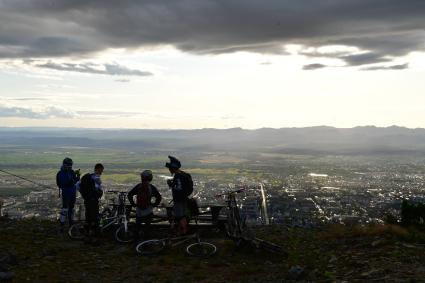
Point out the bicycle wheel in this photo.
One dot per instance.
(106, 212)
(201, 249)
(77, 231)
(150, 247)
(123, 236)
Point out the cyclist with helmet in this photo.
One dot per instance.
(144, 193)
(91, 190)
(181, 187)
(66, 179)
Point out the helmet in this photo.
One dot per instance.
(67, 162)
(147, 175)
(174, 163)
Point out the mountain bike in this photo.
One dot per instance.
(197, 249)
(237, 230)
(118, 215)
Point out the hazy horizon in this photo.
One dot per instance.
(194, 129)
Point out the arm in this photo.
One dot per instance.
(76, 176)
(156, 195)
(58, 183)
(99, 193)
(131, 194)
(58, 179)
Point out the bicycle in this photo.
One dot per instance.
(237, 230)
(197, 249)
(118, 215)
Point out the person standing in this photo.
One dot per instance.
(91, 191)
(144, 192)
(66, 179)
(181, 187)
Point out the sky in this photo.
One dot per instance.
(212, 63)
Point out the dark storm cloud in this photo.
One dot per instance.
(392, 67)
(46, 28)
(104, 69)
(365, 58)
(314, 66)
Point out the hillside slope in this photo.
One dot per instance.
(34, 251)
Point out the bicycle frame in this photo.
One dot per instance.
(120, 213)
(237, 230)
(234, 227)
(175, 241)
(114, 220)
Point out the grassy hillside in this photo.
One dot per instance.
(336, 253)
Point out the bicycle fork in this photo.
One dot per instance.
(125, 222)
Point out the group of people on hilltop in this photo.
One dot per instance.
(69, 182)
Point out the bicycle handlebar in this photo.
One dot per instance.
(231, 192)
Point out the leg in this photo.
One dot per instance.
(147, 220)
(183, 225)
(64, 211)
(89, 218)
(96, 217)
(138, 226)
(181, 213)
(178, 215)
(71, 204)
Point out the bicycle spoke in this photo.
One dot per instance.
(123, 235)
(150, 247)
(201, 249)
(76, 231)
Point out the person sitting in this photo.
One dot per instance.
(144, 192)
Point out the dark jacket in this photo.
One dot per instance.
(179, 186)
(66, 180)
(153, 190)
(91, 189)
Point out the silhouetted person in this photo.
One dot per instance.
(91, 191)
(181, 186)
(66, 179)
(144, 193)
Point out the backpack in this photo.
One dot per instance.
(187, 184)
(87, 186)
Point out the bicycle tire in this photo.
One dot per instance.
(201, 249)
(150, 247)
(122, 236)
(106, 212)
(77, 231)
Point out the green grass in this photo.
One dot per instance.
(38, 246)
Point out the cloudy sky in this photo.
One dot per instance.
(212, 63)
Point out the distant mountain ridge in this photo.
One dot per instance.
(308, 140)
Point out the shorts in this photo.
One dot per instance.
(180, 209)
